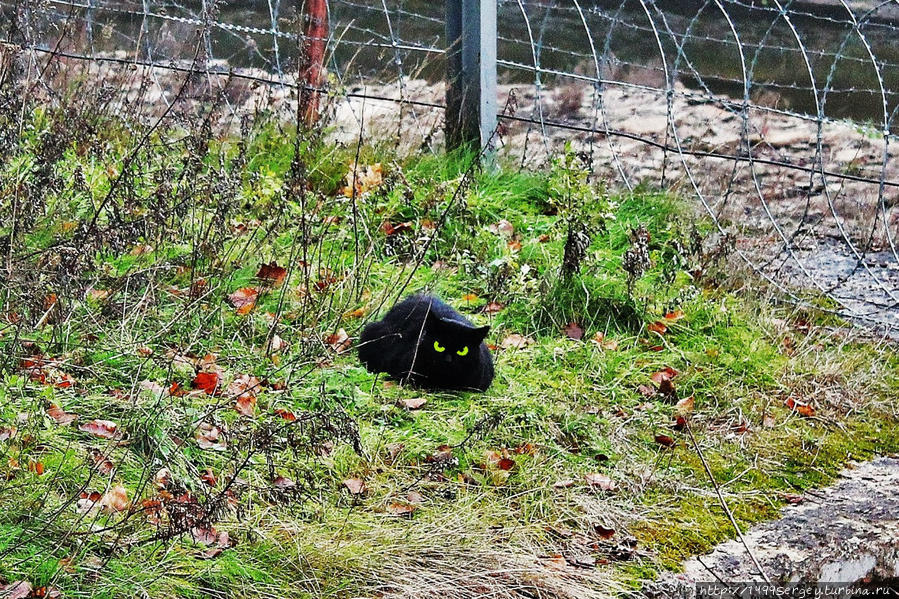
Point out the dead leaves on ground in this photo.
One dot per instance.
(800, 407)
(47, 372)
(104, 429)
(244, 299)
(361, 180)
(339, 341)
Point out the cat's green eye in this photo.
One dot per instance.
(463, 351)
(437, 347)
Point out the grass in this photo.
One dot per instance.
(140, 302)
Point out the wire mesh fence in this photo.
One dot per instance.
(779, 118)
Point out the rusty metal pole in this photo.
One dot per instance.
(312, 59)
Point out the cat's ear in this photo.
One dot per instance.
(480, 333)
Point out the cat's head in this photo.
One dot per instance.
(451, 342)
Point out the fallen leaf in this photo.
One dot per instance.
(469, 297)
(209, 437)
(208, 477)
(7, 432)
(398, 508)
(243, 390)
(564, 484)
(493, 307)
(87, 501)
(339, 341)
(604, 342)
(684, 406)
(361, 180)
(674, 316)
(283, 483)
(355, 486)
(503, 227)
(60, 416)
(244, 299)
(413, 403)
(665, 440)
(16, 590)
(390, 229)
(792, 498)
(516, 341)
(600, 482)
(278, 345)
(271, 274)
(162, 478)
(666, 373)
(105, 429)
(646, 391)
(657, 327)
(514, 245)
(36, 467)
(115, 499)
(603, 531)
(102, 463)
(573, 331)
(768, 421)
(286, 414)
(506, 464)
(803, 409)
(415, 497)
(207, 381)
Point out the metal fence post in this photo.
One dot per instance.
(471, 73)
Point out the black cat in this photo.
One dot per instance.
(426, 342)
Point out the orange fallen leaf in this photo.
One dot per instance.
(604, 342)
(207, 381)
(115, 499)
(674, 316)
(803, 409)
(657, 327)
(208, 477)
(271, 274)
(244, 299)
(285, 414)
(243, 390)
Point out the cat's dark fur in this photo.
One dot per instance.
(402, 344)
